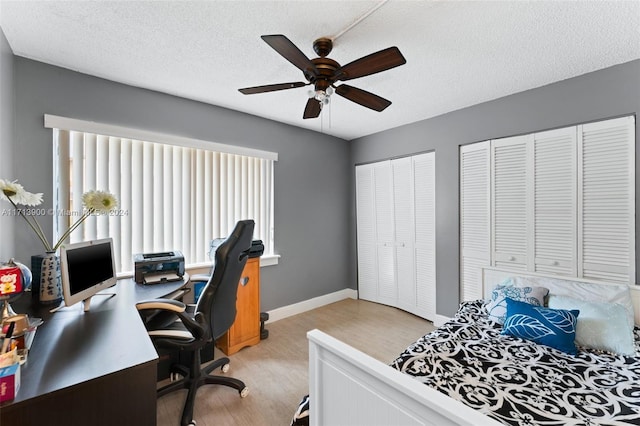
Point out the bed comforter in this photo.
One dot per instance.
(518, 382)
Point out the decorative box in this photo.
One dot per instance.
(10, 280)
(9, 382)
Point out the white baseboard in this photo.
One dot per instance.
(307, 305)
(440, 320)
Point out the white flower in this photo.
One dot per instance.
(99, 201)
(13, 191)
(9, 189)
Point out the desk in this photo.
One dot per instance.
(90, 368)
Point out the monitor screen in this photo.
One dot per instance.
(86, 268)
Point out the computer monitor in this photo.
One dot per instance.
(87, 268)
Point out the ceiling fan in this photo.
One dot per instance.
(324, 72)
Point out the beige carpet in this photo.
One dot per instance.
(276, 370)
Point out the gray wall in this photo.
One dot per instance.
(317, 248)
(311, 197)
(7, 222)
(602, 94)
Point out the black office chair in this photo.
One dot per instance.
(213, 315)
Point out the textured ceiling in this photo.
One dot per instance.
(459, 53)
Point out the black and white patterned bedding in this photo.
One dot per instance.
(518, 382)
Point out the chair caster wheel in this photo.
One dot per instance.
(173, 377)
(244, 392)
(193, 423)
(225, 368)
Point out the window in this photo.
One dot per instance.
(173, 193)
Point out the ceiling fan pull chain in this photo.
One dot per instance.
(326, 116)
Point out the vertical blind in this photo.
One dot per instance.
(169, 197)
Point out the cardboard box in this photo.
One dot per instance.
(9, 382)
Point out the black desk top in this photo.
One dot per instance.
(73, 346)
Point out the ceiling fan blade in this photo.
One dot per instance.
(271, 87)
(362, 97)
(371, 64)
(312, 110)
(290, 52)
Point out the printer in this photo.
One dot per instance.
(256, 249)
(154, 268)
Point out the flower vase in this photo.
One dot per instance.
(46, 270)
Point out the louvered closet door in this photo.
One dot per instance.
(555, 202)
(475, 236)
(510, 172)
(404, 232)
(424, 178)
(387, 291)
(607, 198)
(366, 233)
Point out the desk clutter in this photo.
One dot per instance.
(18, 332)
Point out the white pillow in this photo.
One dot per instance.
(590, 292)
(602, 326)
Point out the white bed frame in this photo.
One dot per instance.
(348, 387)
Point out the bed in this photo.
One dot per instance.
(467, 373)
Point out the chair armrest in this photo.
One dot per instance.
(162, 304)
(195, 325)
(178, 294)
(199, 278)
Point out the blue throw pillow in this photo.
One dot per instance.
(550, 327)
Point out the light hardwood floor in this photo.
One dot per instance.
(276, 370)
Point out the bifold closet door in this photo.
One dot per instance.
(475, 217)
(395, 209)
(510, 182)
(559, 202)
(385, 233)
(366, 233)
(424, 188)
(404, 238)
(606, 191)
(375, 233)
(554, 201)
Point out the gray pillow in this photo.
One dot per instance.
(497, 306)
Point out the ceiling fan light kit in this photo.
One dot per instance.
(323, 73)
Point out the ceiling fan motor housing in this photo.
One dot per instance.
(325, 76)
